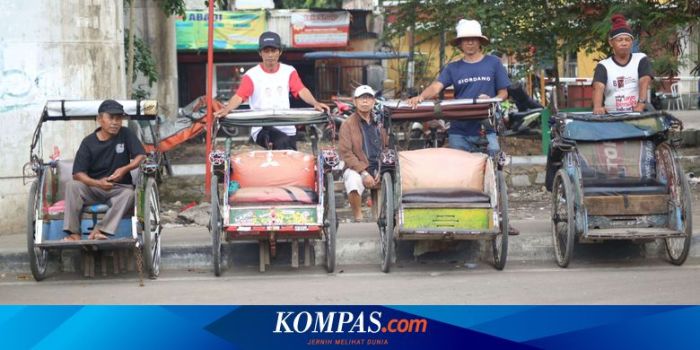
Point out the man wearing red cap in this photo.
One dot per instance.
(621, 81)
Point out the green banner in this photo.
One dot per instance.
(232, 30)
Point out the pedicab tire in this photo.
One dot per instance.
(331, 223)
(387, 231)
(500, 247)
(687, 212)
(38, 257)
(150, 234)
(563, 250)
(215, 226)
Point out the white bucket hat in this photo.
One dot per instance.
(467, 28)
(364, 90)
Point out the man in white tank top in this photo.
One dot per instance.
(267, 86)
(621, 81)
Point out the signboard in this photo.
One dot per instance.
(320, 29)
(232, 30)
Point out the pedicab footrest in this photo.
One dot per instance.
(109, 243)
(630, 233)
(444, 196)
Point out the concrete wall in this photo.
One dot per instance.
(54, 49)
(158, 32)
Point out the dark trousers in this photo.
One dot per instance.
(279, 140)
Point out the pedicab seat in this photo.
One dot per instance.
(95, 208)
(277, 177)
(444, 195)
(622, 167)
(620, 187)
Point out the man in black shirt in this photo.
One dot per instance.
(101, 173)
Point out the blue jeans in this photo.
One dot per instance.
(470, 143)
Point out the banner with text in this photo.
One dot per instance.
(320, 29)
(232, 30)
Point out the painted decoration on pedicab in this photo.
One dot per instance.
(447, 218)
(320, 29)
(273, 216)
(232, 30)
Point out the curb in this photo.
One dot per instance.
(365, 251)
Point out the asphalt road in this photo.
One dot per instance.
(633, 282)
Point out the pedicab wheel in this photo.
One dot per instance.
(215, 226)
(330, 223)
(151, 228)
(678, 247)
(386, 221)
(38, 257)
(500, 241)
(563, 218)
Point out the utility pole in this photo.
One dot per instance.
(210, 116)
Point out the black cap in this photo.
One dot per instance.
(269, 39)
(111, 106)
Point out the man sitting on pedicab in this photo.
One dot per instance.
(361, 140)
(267, 86)
(474, 76)
(101, 174)
(621, 81)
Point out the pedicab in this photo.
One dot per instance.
(618, 177)
(271, 196)
(442, 193)
(141, 230)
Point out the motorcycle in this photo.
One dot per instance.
(524, 117)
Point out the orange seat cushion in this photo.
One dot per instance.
(274, 169)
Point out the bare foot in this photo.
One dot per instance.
(71, 237)
(97, 235)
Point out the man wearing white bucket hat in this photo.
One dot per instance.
(474, 76)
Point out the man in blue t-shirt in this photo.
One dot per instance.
(474, 76)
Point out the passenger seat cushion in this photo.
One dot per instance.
(286, 194)
(444, 195)
(274, 169)
(629, 159)
(441, 168)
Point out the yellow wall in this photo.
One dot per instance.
(586, 63)
(430, 50)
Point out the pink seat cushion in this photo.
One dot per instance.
(286, 194)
